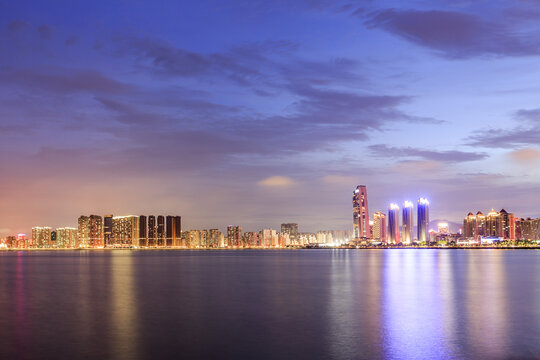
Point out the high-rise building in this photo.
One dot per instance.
(90, 231)
(292, 230)
(493, 224)
(469, 226)
(407, 224)
(177, 233)
(125, 231)
(234, 235)
(66, 237)
(360, 213)
(268, 238)
(507, 225)
(214, 238)
(41, 236)
(169, 231)
(107, 230)
(379, 226)
(393, 224)
(194, 239)
(143, 231)
(423, 220)
(160, 231)
(152, 231)
(251, 239)
(480, 225)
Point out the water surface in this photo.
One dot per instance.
(282, 304)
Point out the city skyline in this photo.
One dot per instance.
(270, 114)
(150, 231)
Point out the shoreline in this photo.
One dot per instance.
(278, 249)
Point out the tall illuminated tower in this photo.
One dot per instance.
(360, 213)
(393, 224)
(423, 220)
(407, 225)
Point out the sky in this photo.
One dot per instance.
(255, 113)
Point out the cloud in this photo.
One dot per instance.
(45, 32)
(526, 133)
(418, 168)
(17, 26)
(62, 80)
(339, 179)
(455, 34)
(71, 40)
(446, 156)
(525, 156)
(277, 181)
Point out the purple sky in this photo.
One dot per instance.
(257, 113)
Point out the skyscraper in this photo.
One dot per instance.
(41, 236)
(379, 226)
(143, 231)
(360, 213)
(169, 231)
(292, 230)
(90, 231)
(177, 234)
(493, 224)
(160, 231)
(393, 224)
(507, 225)
(107, 229)
(152, 234)
(234, 235)
(480, 225)
(423, 220)
(66, 237)
(126, 231)
(469, 225)
(407, 225)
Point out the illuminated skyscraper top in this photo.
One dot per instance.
(393, 224)
(360, 213)
(423, 220)
(407, 225)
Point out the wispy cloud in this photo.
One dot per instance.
(277, 181)
(447, 156)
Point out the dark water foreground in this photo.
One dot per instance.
(297, 304)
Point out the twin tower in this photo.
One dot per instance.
(361, 221)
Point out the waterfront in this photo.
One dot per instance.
(270, 304)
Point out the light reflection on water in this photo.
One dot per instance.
(124, 315)
(317, 304)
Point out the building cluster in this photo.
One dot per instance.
(500, 225)
(386, 228)
(142, 231)
(396, 227)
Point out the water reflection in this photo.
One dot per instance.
(124, 306)
(320, 304)
(412, 305)
(487, 306)
(20, 306)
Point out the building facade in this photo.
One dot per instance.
(360, 213)
(423, 220)
(407, 223)
(393, 224)
(379, 226)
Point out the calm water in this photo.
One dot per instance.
(303, 304)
